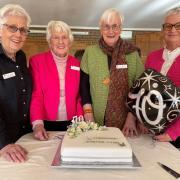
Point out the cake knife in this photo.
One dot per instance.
(170, 171)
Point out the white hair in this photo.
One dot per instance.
(107, 14)
(172, 11)
(13, 10)
(58, 26)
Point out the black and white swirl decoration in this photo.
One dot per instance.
(155, 100)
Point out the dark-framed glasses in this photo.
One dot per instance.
(168, 26)
(12, 28)
(114, 27)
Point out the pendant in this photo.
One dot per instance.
(106, 81)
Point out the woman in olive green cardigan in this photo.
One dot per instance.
(108, 69)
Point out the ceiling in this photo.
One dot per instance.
(139, 14)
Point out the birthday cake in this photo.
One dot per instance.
(105, 146)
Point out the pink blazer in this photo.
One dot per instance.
(155, 61)
(46, 93)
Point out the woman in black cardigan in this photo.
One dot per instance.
(15, 82)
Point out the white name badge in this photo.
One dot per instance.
(9, 75)
(76, 68)
(121, 66)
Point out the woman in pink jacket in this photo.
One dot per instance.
(167, 61)
(56, 75)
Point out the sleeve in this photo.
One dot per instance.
(84, 62)
(37, 101)
(85, 88)
(173, 129)
(84, 79)
(136, 67)
(139, 66)
(79, 107)
(3, 140)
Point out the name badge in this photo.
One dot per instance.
(76, 68)
(9, 75)
(121, 66)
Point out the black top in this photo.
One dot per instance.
(15, 94)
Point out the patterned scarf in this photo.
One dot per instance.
(116, 111)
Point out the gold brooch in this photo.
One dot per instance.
(106, 81)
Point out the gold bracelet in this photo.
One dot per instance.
(87, 111)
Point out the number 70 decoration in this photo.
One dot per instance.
(154, 100)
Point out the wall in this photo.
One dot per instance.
(147, 41)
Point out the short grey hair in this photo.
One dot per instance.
(107, 14)
(58, 26)
(13, 10)
(172, 11)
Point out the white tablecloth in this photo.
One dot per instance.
(41, 154)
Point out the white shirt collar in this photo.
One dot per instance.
(171, 55)
(169, 58)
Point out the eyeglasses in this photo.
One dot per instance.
(12, 28)
(168, 26)
(114, 27)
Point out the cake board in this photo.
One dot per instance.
(56, 163)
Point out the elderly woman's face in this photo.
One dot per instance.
(171, 30)
(110, 30)
(13, 34)
(60, 43)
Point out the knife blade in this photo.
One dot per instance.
(169, 170)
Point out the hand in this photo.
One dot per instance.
(129, 128)
(40, 133)
(163, 138)
(89, 117)
(142, 129)
(14, 153)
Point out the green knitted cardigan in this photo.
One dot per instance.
(95, 64)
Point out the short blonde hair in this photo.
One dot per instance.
(107, 14)
(13, 10)
(58, 26)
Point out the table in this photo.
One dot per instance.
(41, 154)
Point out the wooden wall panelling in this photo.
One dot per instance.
(82, 41)
(148, 41)
(35, 44)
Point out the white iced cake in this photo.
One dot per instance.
(107, 146)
